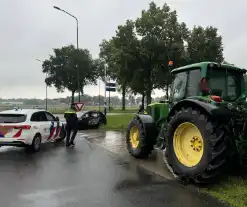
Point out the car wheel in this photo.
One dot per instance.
(100, 124)
(36, 144)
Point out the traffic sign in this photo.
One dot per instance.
(110, 89)
(111, 85)
(79, 106)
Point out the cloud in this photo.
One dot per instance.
(30, 29)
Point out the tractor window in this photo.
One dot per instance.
(225, 83)
(178, 87)
(193, 82)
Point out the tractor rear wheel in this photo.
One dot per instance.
(196, 147)
(138, 143)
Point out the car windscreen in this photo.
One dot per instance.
(225, 83)
(12, 118)
(81, 113)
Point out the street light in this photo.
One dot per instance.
(45, 87)
(105, 82)
(78, 79)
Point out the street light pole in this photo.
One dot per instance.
(105, 83)
(45, 87)
(77, 44)
(99, 94)
(46, 107)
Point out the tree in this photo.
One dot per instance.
(67, 66)
(161, 39)
(117, 53)
(138, 54)
(125, 43)
(204, 45)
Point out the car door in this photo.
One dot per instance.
(94, 118)
(84, 120)
(40, 121)
(55, 126)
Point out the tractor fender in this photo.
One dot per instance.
(149, 126)
(208, 108)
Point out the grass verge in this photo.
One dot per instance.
(118, 122)
(231, 190)
(116, 110)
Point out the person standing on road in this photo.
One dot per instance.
(71, 125)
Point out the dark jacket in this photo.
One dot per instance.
(71, 119)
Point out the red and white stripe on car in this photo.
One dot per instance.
(13, 131)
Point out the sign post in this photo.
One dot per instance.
(111, 87)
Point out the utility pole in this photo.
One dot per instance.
(99, 94)
(77, 44)
(105, 84)
(46, 105)
(109, 101)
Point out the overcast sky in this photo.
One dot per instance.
(30, 29)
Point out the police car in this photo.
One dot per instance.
(30, 128)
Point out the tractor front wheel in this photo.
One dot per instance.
(196, 147)
(138, 143)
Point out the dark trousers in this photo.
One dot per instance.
(71, 139)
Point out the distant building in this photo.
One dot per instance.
(11, 103)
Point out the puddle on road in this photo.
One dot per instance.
(110, 140)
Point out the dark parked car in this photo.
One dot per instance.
(91, 119)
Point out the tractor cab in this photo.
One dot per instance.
(205, 82)
(208, 80)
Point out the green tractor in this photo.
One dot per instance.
(201, 128)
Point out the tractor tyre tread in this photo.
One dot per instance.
(145, 147)
(215, 156)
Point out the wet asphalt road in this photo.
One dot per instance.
(86, 176)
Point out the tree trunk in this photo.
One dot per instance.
(149, 97)
(167, 91)
(149, 88)
(123, 97)
(143, 99)
(73, 97)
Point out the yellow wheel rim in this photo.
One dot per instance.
(134, 137)
(188, 144)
